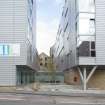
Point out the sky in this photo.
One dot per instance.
(48, 18)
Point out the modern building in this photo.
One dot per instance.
(18, 52)
(80, 42)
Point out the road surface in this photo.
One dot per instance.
(25, 99)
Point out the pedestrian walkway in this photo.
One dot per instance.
(11, 97)
(58, 90)
(59, 87)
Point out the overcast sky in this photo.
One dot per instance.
(48, 18)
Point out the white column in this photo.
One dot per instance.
(84, 75)
(81, 75)
(91, 73)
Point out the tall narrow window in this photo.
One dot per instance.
(76, 6)
(93, 45)
(45, 64)
(92, 26)
(66, 27)
(1, 49)
(65, 1)
(32, 2)
(76, 29)
(92, 5)
(6, 49)
(66, 12)
(92, 50)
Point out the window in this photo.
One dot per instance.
(65, 1)
(45, 64)
(61, 51)
(41, 59)
(68, 38)
(93, 53)
(45, 58)
(83, 30)
(66, 12)
(84, 49)
(62, 60)
(86, 5)
(52, 56)
(41, 64)
(82, 38)
(62, 13)
(32, 1)
(66, 27)
(9, 49)
(92, 5)
(87, 20)
(92, 26)
(92, 2)
(87, 49)
(76, 5)
(6, 50)
(30, 53)
(75, 79)
(60, 31)
(92, 45)
(1, 49)
(76, 29)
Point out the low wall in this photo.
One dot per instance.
(71, 77)
(97, 81)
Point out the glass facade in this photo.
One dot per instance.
(85, 27)
(1, 49)
(25, 76)
(30, 20)
(47, 77)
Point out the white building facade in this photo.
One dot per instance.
(18, 54)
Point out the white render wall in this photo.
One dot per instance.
(14, 29)
(100, 32)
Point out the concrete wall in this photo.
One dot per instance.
(72, 77)
(97, 81)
